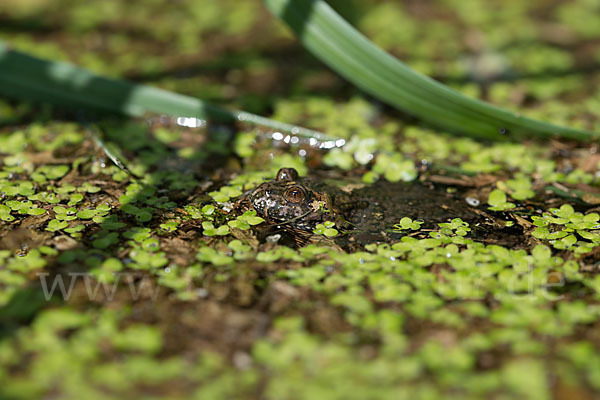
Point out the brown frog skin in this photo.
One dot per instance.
(291, 202)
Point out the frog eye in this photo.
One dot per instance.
(295, 194)
(287, 174)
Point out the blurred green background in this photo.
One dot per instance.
(515, 54)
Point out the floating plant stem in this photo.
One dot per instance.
(30, 78)
(334, 41)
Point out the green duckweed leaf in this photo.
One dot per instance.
(498, 202)
(56, 225)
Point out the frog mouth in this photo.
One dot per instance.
(296, 218)
(307, 223)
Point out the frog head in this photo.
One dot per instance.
(290, 200)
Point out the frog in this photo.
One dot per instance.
(364, 213)
(290, 201)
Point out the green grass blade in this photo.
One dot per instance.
(31, 78)
(329, 37)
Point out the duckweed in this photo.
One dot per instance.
(326, 228)
(407, 224)
(498, 201)
(210, 230)
(209, 254)
(192, 301)
(226, 193)
(56, 225)
(169, 226)
(246, 220)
